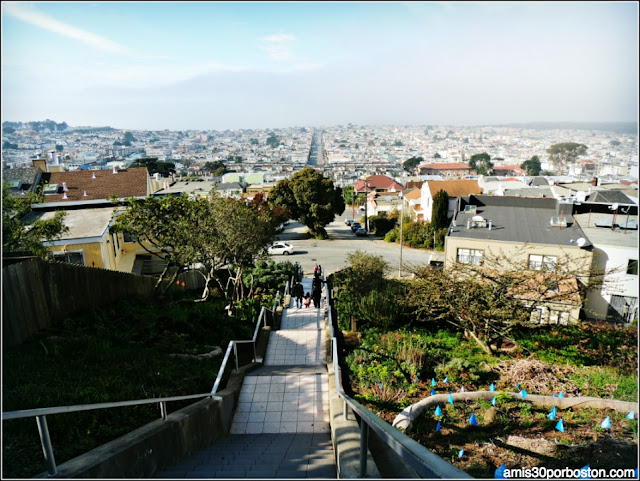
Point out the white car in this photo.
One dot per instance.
(280, 248)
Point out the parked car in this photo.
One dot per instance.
(361, 232)
(355, 226)
(348, 221)
(280, 248)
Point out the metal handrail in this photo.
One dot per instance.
(41, 413)
(409, 450)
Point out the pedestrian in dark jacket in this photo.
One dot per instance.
(316, 290)
(298, 293)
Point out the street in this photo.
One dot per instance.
(331, 254)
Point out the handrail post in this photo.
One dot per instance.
(235, 353)
(47, 449)
(163, 410)
(255, 354)
(364, 441)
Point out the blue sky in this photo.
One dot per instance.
(201, 65)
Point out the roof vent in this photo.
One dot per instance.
(93, 175)
(478, 221)
(84, 194)
(64, 196)
(115, 169)
(581, 242)
(64, 186)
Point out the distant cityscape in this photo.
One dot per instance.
(344, 152)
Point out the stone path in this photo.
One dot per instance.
(281, 425)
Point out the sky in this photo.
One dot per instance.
(257, 65)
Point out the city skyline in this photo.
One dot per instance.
(219, 66)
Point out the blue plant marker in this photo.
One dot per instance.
(554, 394)
(493, 401)
(438, 426)
(380, 386)
(524, 393)
(560, 395)
(552, 414)
(606, 424)
(492, 387)
(446, 379)
(631, 415)
(438, 411)
(560, 426)
(499, 474)
(450, 400)
(517, 387)
(433, 382)
(433, 392)
(462, 389)
(584, 470)
(415, 380)
(460, 453)
(473, 420)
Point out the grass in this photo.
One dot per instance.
(121, 352)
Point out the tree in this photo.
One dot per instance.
(59, 148)
(564, 153)
(349, 194)
(437, 155)
(398, 143)
(410, 164)
(272, 140)
(439, 217)
(481, 163)
(19, 233)
(220, 234)
(8, 130)
(532, 166)
(154, 166)
(614, 143)
(311, 198)
(216, 168)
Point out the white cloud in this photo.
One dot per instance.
(278, 38)
(29, 14)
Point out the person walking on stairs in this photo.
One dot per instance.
(316, 290)
(297, 292)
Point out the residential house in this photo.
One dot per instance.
(412, 204)
(615, 252)
(536, 233)
(454, 188)
(508, 170)
(377, 183)
(449, 170)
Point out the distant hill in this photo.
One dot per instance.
(617, 127)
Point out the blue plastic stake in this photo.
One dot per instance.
(552, 414)
(560, 395)
(438, 426)
(446, 379)
(460, 453)
(606, 424)
(433, 392)
(438, 411)
(524, 393)
(433, 382)
(473, 420)
(631, 415)
(493, 401)
(560, 426)
(492, 387)
(450, 400)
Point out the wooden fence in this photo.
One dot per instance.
(37, 293)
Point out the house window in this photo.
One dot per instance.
(128, 237)
(632, 267)
(470, 256)
(538, 262)
(76, 257)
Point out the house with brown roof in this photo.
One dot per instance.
(378, 183)
(449, 170)
(454, 188)
(508, 170)
(412, 203)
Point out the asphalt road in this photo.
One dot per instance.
(331, 254)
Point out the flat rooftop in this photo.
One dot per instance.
(604, 236)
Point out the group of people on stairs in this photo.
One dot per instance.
(302, 299)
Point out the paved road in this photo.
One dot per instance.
(332, 253)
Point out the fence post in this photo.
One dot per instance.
(47, 449)
(163, 410)
(364, 441)
(235, 353)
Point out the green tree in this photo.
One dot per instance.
(311, 198)
(20, 232)
(272, 140)
(439, 216)
(216, 168)
(154, 166)
(398, 143)
(8, 130)
(59, 148)
(614, 143)
(564, 153)
(437, 155)
(410, 164)
(481, 163)
(349, 194)
(532, 166)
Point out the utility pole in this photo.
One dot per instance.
(401, 223)
(366, 207)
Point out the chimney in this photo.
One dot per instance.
(157, 176)
(64, 186)
(93, 175)
(490, 224)
(115, 169)
(64, 196)
(40, 164)
(85, 194)
(468, 223)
